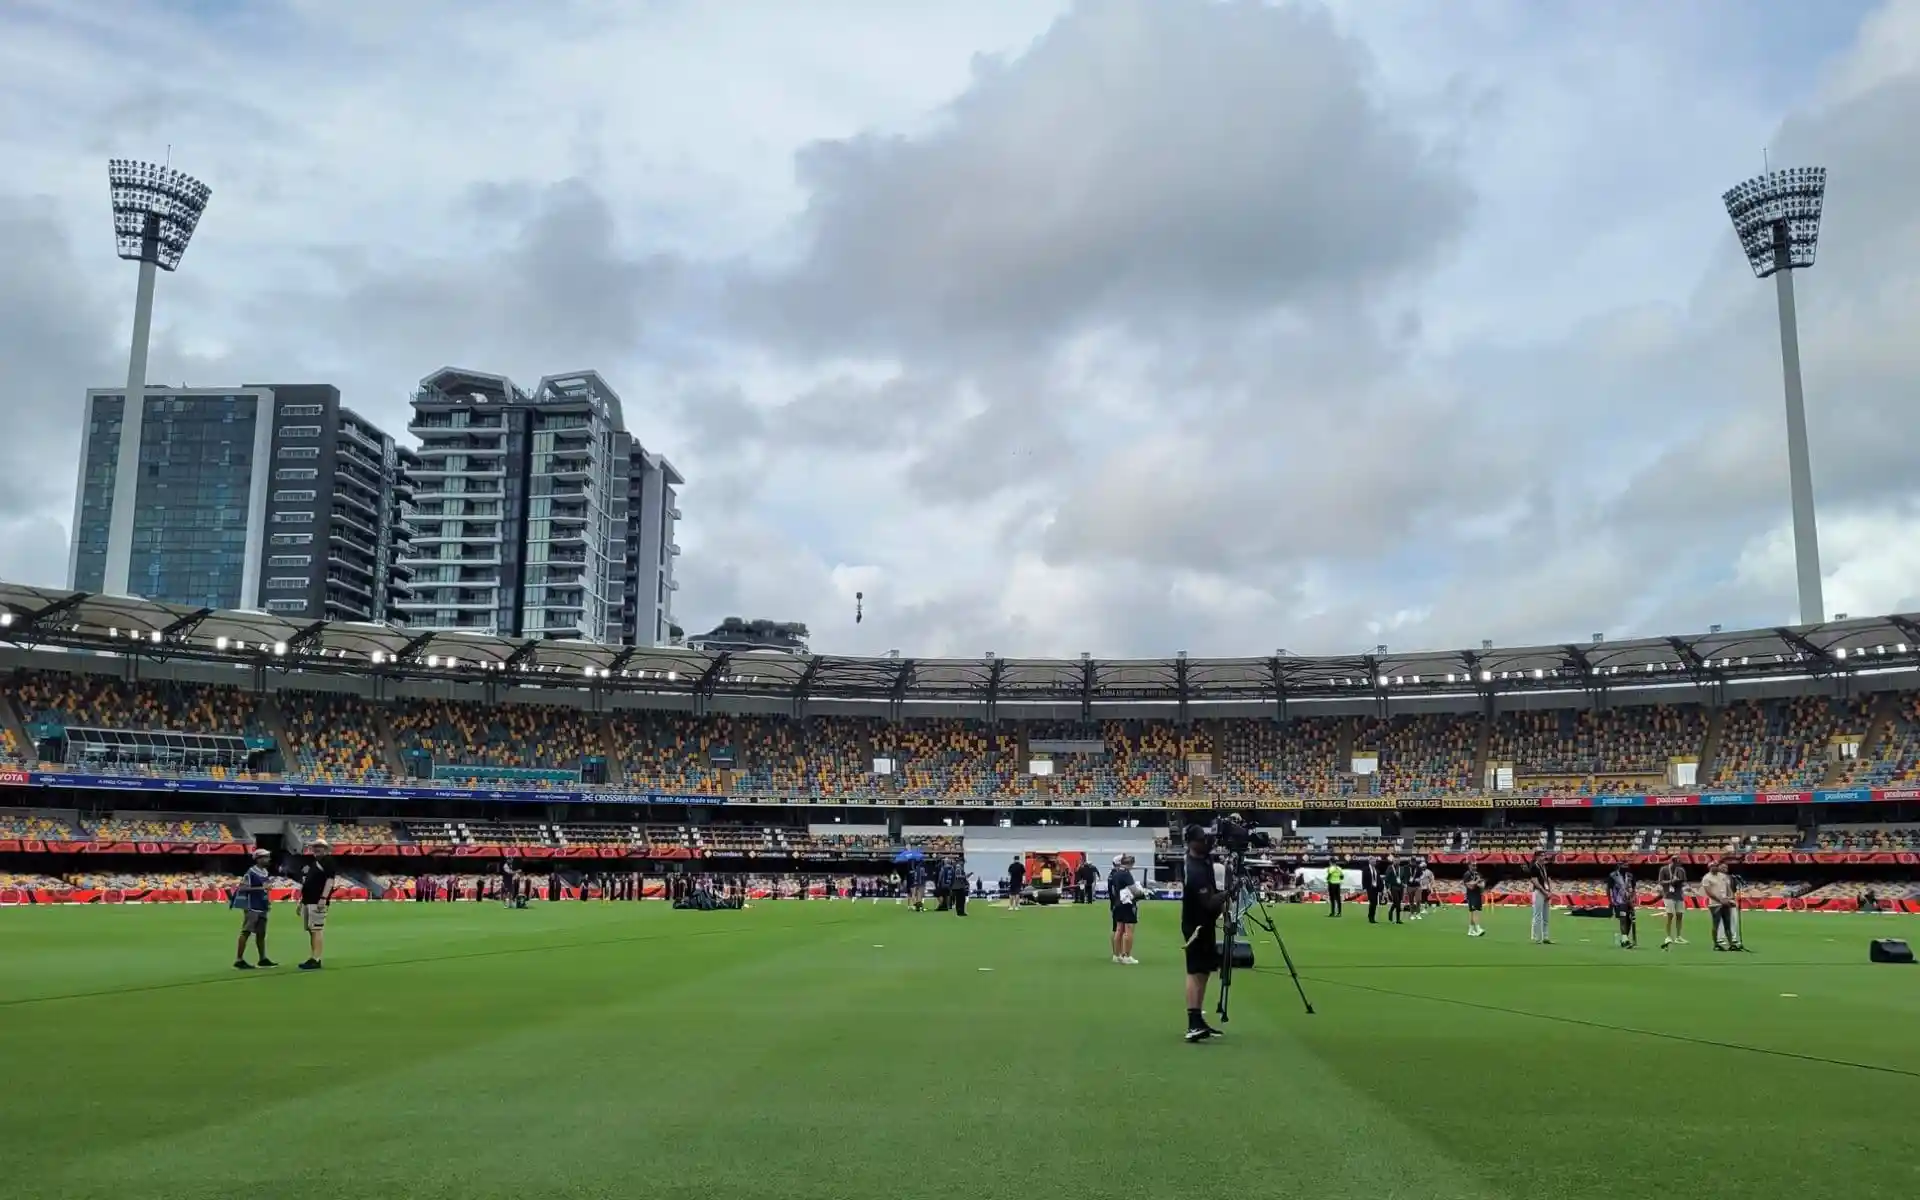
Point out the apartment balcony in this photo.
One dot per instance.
(361, 565)
(356, 498)
(441, 447)
(421, 601)
(343, 516)
(430, 494)
(430, 469)
(478, 539)
(354, 433)
(439, 423)
(673, 548)
(342, 608)
(419, 562)
(348, 583)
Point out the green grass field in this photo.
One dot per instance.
(837, 1050)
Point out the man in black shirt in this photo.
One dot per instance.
(1016, 880)
(1123, 900)
(316, 889)
(1200, 903)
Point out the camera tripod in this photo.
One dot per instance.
(1247, 908)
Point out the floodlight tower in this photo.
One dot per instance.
(1777, 218)
(155, 210)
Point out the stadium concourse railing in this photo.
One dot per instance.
(296, 788)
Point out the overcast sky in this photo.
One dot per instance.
(1126, 326)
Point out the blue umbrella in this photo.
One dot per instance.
(909, 855)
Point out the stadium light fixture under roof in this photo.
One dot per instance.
(1776, 216)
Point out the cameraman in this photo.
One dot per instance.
(1201, 900)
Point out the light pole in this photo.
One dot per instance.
(155, 209)
(1777, 218)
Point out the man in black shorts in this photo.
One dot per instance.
(316, 890)
(1200, 903)
(1474, 884)
(1121, 898)
(1016, 880)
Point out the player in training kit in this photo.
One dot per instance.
(1475, 886)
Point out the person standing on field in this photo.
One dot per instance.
(257, 903)
(1475, 886)
(316, 890)
(1673, 901)
(1541, 885)
(1718, 887)
(1123, 899)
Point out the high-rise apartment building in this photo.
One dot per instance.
(272, 497)
(528, 519)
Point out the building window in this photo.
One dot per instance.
(292, 497)
(291, 560)
(291, 539)
(295, 474)
(286, 583)
(299, 431)
(299, 452)
(302, 410)
(293, 518)
(287, 606)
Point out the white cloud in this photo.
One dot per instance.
(1151, 326)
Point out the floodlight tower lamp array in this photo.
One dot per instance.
(155, 211)
(1776, 216)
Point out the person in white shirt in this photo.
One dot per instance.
(1717, 884)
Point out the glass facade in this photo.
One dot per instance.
(190, 525)
(96, 493)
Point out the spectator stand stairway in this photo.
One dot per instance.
(13, 734)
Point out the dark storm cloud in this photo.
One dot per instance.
(1143, 158)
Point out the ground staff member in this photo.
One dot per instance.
(1085, 877)
(1335, 877)
(316, 890)
(1200, 903)
(1370, 879)
(257, 903)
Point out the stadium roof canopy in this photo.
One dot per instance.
(31, 616)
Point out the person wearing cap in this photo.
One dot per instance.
(316, 888)
(1123, 898)
(256, 904)
(1201, 900)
